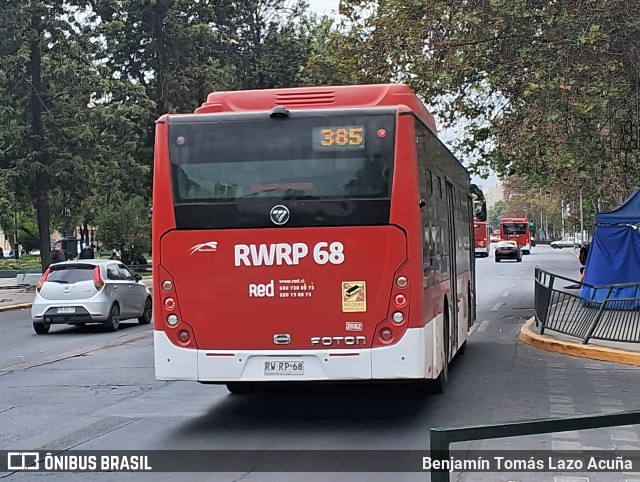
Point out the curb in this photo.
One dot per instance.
(576, 349)
(19, 306)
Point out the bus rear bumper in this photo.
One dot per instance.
(410, 358)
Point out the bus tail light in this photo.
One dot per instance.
(386, 335)
(167, 285)
(184, 336)
(169, 304)
(172, 320)
(398, 318)
(43, 278)
(97, 278)
(400, 300)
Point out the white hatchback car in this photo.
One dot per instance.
(89, 291)
(567, 242)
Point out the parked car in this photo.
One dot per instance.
(567, 242)
(10, 253)
(508, 250)
(90, 291)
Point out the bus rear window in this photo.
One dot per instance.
(299, 158)
(514, 228)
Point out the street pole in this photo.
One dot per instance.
(581, 222)
(16, 249)
(562, 216)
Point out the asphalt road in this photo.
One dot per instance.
(84, 389)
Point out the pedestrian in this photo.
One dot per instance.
(87, 252)
(57, 255)
(582, 257)
(115, 256)
(1, 253)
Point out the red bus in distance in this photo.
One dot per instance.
(310, 234)
(481, 240)
(518, 230)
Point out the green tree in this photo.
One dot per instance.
(546, 90)
(65, 120)
(124, 225)
(495, 213)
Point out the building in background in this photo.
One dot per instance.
(493, 195)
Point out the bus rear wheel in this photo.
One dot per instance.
(440, 383)
(240, 388)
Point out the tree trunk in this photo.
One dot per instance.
(158, 34)
(37, 129)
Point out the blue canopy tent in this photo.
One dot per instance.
(614, 256)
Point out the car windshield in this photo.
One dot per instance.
(70, 274)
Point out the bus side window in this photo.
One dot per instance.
(424, 179)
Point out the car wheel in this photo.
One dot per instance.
(145, 319)
(526, 252)
(519, 259)
(41, 328)
(113, 323)
(497, 260)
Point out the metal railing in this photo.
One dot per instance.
(442, 438)
(608, 312)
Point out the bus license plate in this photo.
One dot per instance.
(284, 368)
(68, 309)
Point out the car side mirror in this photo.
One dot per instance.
(138, 277)
(422, 203)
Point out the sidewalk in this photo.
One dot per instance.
(617, 352)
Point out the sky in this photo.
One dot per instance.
(323, 6)
(326, 7)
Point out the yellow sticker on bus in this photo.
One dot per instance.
(354, 296)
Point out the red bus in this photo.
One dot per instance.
(518, 229)
(481, 241)
(309, 234)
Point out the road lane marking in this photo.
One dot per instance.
(483, 326)
(505, 294)
(121, 340)
(496, 307)
(473, 328)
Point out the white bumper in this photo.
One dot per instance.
(410, 358)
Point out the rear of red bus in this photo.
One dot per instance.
(279, 254)
(517, 229)
(481, 240)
